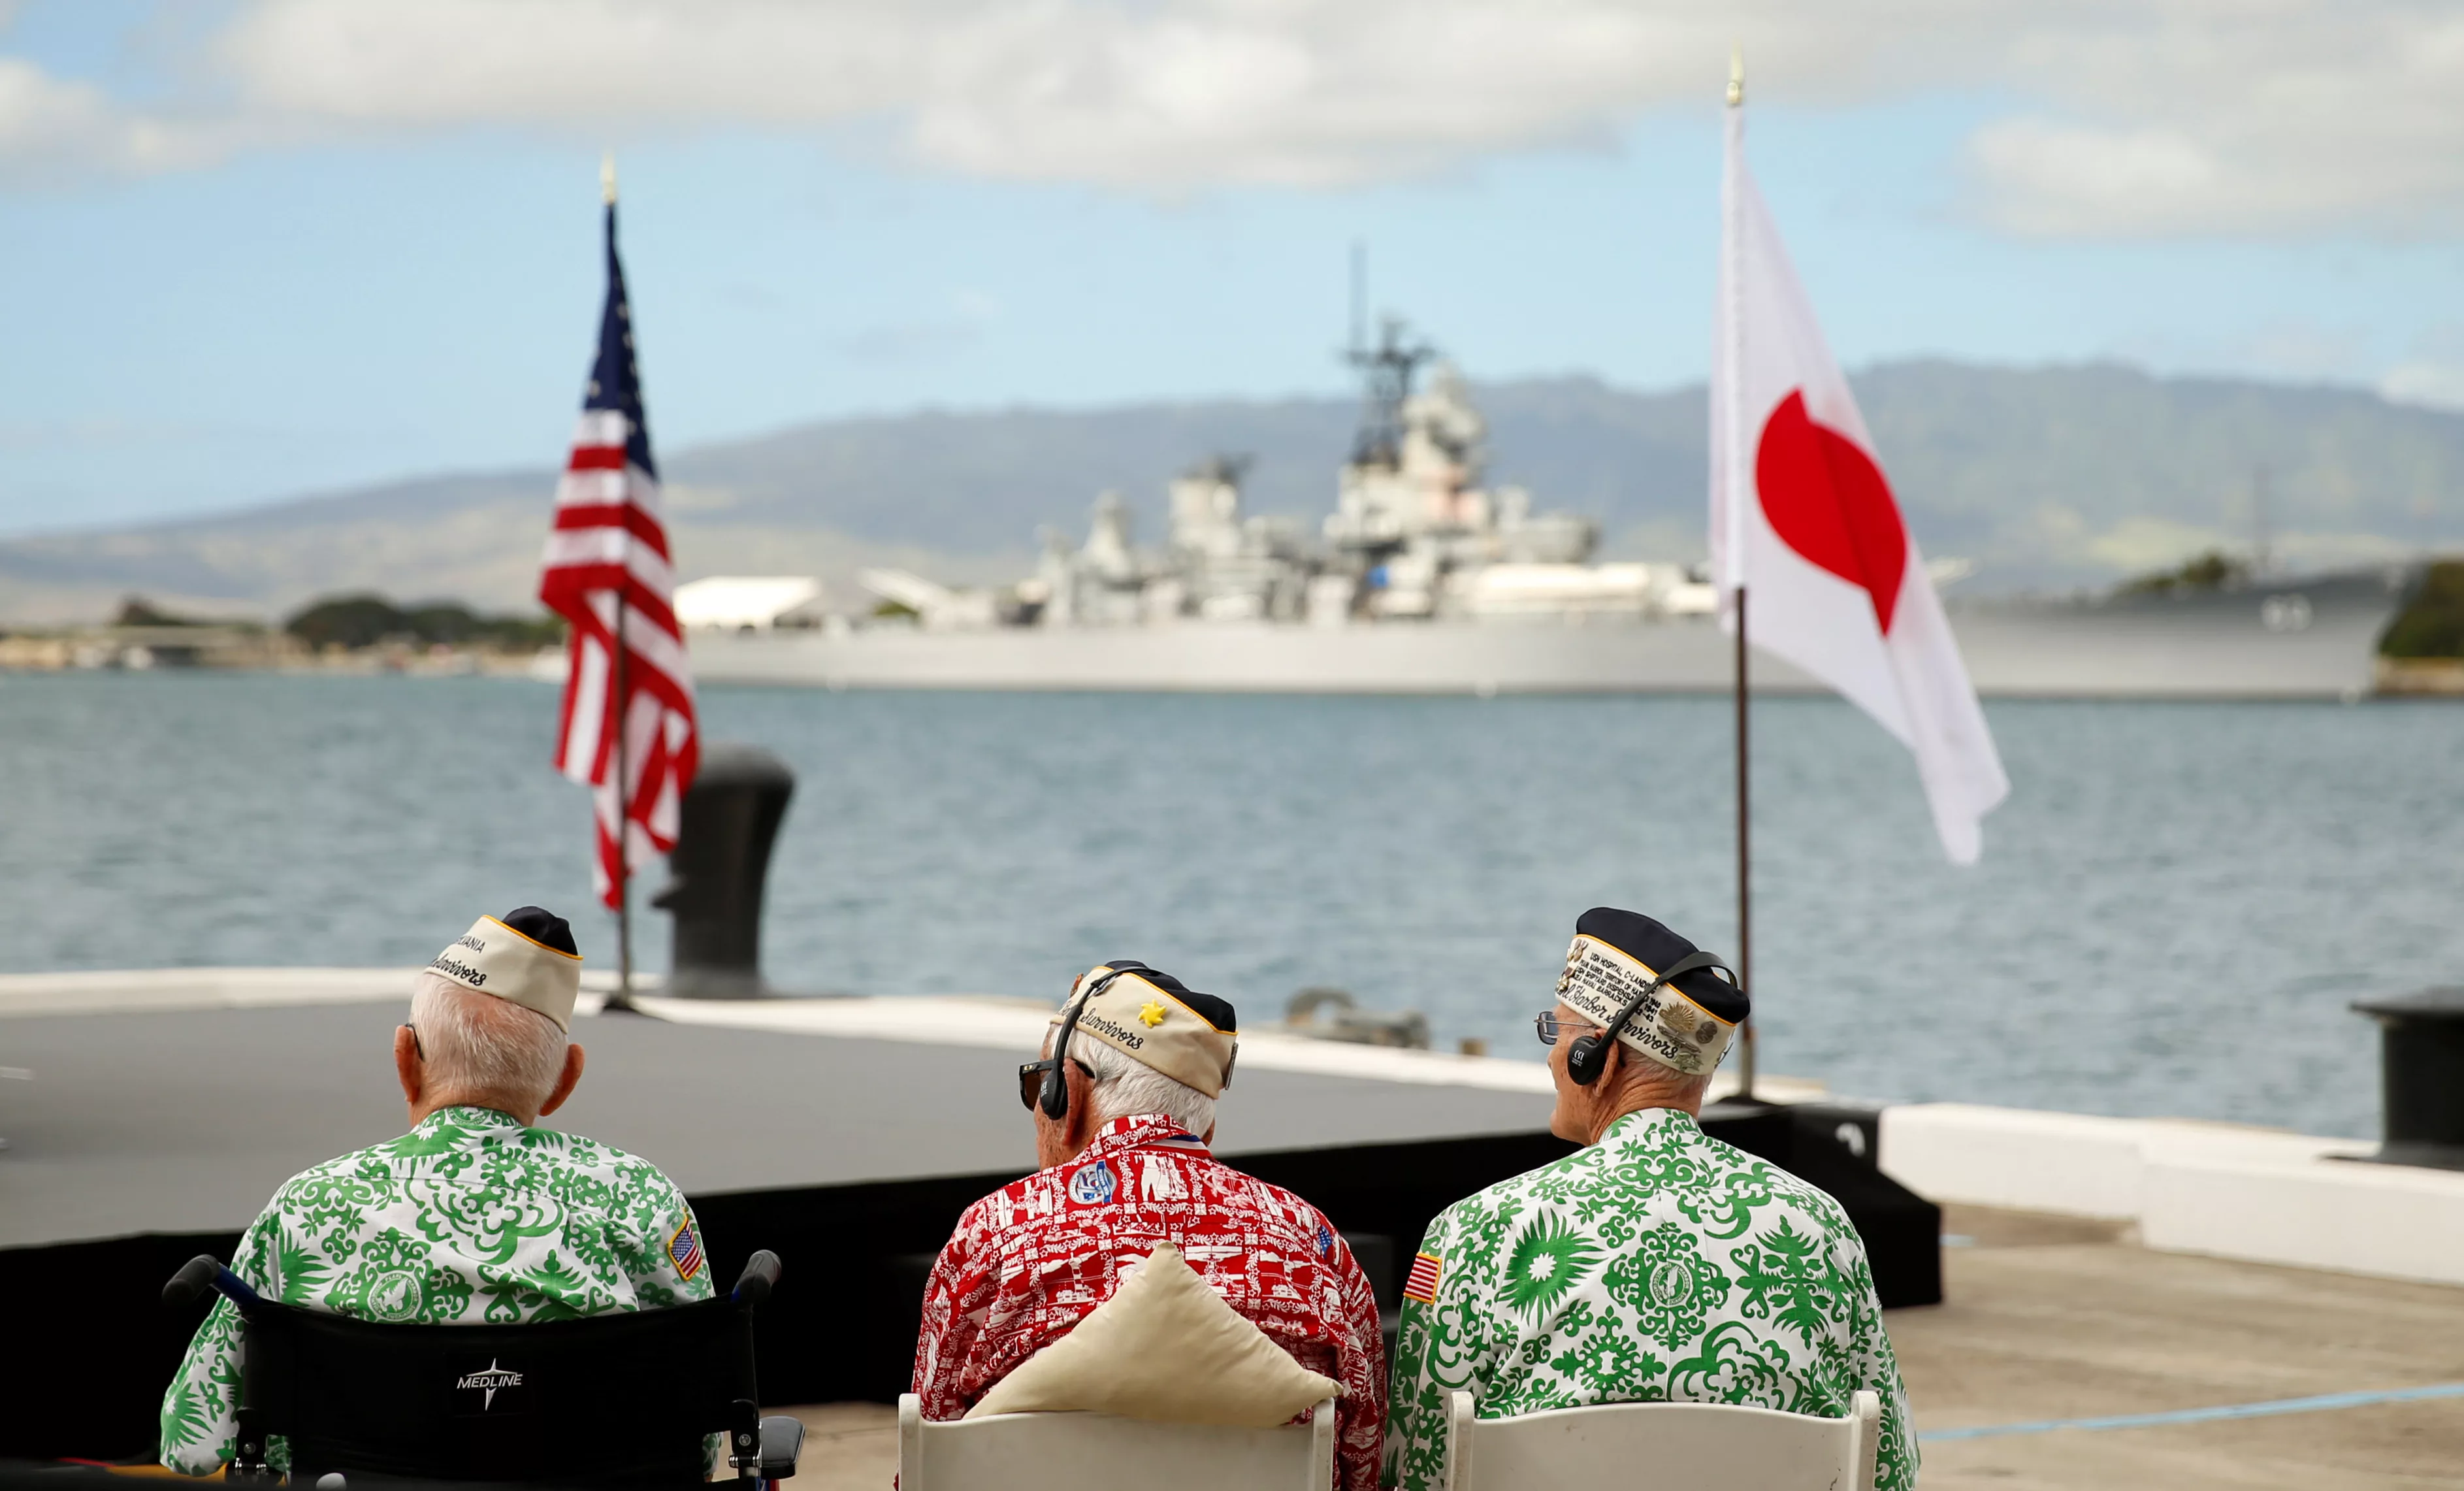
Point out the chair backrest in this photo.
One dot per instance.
(623, 1398)
(1097, 1451)
(1649, 1446)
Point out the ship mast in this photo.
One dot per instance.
(1386, 371)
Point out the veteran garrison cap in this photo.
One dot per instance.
(1615, 956)
(525, 957)
(1157, 1020)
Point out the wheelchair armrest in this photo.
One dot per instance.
(761, 1275)
(782, 1442)
(202, 1271)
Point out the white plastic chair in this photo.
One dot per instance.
(1097, 1451)
(1679, 1446)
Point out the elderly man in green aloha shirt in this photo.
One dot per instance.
(1657, 1264)
(475, 1214)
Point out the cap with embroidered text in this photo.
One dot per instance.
(525, 957)
(1158, 1021)
(1685, 1025)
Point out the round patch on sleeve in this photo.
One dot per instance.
(1092, 1185)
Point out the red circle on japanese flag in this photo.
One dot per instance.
(1827, 499)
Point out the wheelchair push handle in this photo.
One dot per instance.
(761, 1275)
(201, 1273)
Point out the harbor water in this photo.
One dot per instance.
(2173, 911)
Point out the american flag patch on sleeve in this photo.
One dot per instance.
(684, 1250)
(1422, 1286)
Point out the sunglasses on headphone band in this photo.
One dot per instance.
(1030, 1077)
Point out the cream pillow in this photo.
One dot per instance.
(1166, 1348)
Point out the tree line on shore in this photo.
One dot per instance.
(365, 619)
(2430, 624)
(369, 620)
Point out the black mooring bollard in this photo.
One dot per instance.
(716, 876)
(2421, 1077)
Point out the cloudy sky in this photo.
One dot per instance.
(251, 247)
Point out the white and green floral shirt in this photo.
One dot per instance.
(472, 1217)
(1659, 1264)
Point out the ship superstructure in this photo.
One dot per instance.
(1416, 535)
(1426, 579)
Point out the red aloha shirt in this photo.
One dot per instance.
(1030, 1260)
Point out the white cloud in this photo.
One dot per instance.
(2133, 116)
(2433, 375)
(52, 128)
(2233, 115)
(1156, 95)
(2421, 381)
(1149, 95)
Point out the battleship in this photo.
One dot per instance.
(1426, 580)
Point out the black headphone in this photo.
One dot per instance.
(1589, 1055)
(1054, 1098)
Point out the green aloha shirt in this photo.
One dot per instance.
(1659, 1264)
(473, 1217)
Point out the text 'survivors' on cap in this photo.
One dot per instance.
(1685, 1025)
(1157, 1020)
(527, 957)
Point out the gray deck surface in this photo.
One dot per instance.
(2051, 1318)
(188, 1120)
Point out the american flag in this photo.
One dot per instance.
(684, 1250)
(606, 559)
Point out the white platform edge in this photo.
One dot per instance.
(134, 991)
(980, 1020)
(143, 991)
(2253, 1195)
(2258, 1195)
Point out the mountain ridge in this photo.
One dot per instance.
(2051, 477)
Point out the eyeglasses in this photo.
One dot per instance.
(1030, 1077)
(1545, 1025)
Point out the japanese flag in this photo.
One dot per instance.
(1803, 519)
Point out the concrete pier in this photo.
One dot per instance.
(2063, 1318)
(2094, 1267)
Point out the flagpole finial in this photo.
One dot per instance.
(1736, 75)
(608, 178)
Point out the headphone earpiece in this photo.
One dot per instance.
(1054, 1098)
(1587, 1059)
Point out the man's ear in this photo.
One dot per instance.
(1613, 1064)
(566, 1080)
(406, 1064)
(1082, 1103)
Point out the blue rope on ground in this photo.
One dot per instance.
(2201, 1415)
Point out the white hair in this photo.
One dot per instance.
(485, 1046)
(1125, 1086)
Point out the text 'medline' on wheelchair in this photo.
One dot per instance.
(618, 1400)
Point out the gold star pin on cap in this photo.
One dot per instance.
(1152, 1015)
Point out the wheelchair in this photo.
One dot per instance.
(622, 1401)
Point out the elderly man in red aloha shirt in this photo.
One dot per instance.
(1124, 1110)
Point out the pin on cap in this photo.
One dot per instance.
(527, 957)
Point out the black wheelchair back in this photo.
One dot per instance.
(614, 1400)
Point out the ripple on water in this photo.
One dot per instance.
(2172, 912)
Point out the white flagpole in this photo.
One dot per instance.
(1735, 489)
